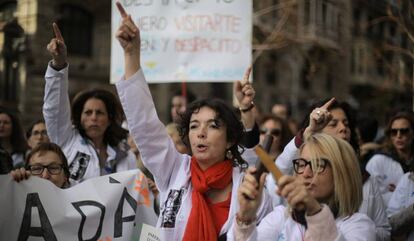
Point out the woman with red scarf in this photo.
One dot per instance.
(198, 193)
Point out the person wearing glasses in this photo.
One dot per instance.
(337, 119)
(46, 161)
(278, 128)
(397, 156)
(37, 134)
(275, 126)
(323, 197)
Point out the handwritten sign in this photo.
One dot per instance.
(188, 40)
(109, 208)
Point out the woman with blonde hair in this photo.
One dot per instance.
(324, 196)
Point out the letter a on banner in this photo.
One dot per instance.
(26, 230)
(119, 220)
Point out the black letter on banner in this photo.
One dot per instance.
(77, 206)
(119, 220)
(45, 230)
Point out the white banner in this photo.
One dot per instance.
(188, 40)
(109, 208)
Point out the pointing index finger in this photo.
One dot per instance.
(246, 76)
(329, 103)
(58, 34)
(121, 10)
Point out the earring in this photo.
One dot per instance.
(229, 154)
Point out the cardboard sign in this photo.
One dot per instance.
(188, 40)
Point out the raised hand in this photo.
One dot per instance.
(128, 33)
(244, 91)
(319, 118)
(293, 189)
(250, 194)
(57, 49)
(129, 38)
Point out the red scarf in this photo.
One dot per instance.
(200, 225)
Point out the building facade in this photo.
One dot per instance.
(304, 50)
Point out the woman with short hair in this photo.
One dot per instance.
(37, 133)
(46, 161)
(198, 193)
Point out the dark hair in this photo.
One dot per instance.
(227, 115)
(189, 96)
(6, 162)
(45, 147)
(368, 128)
(409, 116)
(350, 115)
(17, 138)
(114, 134)
(30, 129)
(286, 134)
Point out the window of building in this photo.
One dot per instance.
(76, 25)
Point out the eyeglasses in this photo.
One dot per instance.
(53, 169)
(299, 165)
(39, 133)
(402, 131)
(273, 131)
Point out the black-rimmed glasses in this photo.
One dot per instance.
(53, 169)
(299, 165)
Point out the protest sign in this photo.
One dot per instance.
(115, 207)
(188, 40)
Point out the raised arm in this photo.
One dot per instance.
(318, 118)
(156, 147)
(56, 106)
(244, 93)
(129, 37)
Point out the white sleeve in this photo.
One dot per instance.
(386, 171)
(284, 160)
(358, 227)
(157, 150)
(379, 215)
(268, 229)
(399, 197)
(56, 106)
(132, 161)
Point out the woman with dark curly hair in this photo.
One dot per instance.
(12, 139)
(93, 140)
(198, 193)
